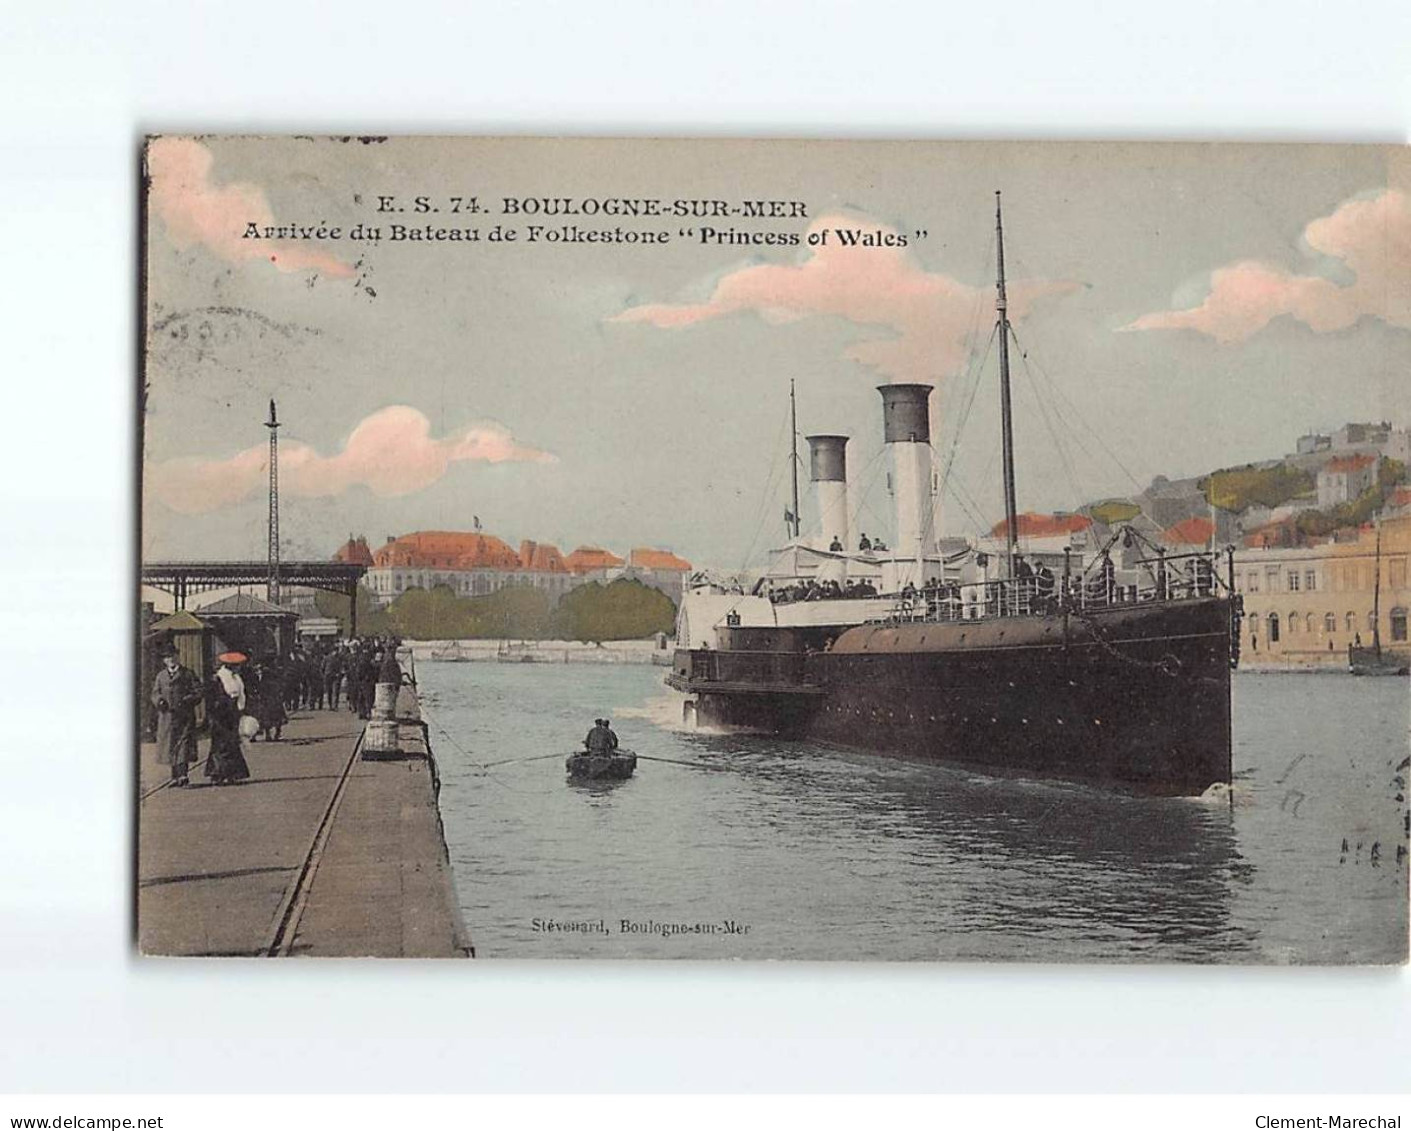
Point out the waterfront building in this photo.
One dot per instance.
(474, 564)
(661, 569)
(470, 564)
(593, 563)
(1305, 604)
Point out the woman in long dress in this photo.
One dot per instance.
(225, 703)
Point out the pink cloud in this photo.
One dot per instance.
(1372, 238)
(391, 452)
(930, 315)
(196, 211)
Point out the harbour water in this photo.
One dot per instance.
(750, 847)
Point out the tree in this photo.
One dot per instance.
(623, 610)
(1234, 489)
(372, 621)
(519, 611)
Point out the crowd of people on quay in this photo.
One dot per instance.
(252, 698)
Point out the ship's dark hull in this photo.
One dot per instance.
(1135, 698)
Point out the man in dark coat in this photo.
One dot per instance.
(333, 677)
(600, 739)
(362, 681)
(175, 694)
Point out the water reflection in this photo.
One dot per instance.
(833, 854)
(1034, 863)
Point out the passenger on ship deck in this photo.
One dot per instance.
(1101, 587)
(1044, 585)
(835, 546)
(864, 543)
(1023, 578)
(1204, 577)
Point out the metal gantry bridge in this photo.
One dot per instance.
(181, 579)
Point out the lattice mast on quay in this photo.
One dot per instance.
(272, 585)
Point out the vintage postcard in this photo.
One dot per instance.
(774, 550)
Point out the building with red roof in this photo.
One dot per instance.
(1343, 478)
(354, 551)
(473, 564)
(446, 549)
(642, 558)
(470, 563)
(1191, 532)
(593, 559)
(661, 569)
(1032, 525)
(1398, 502)
(541, 557)
(1281, 532)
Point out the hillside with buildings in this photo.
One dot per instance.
(1321, 540)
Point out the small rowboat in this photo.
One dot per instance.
(615, 766)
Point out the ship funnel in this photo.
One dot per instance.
(828, 471)
(906, 425)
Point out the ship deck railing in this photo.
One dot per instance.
(1181, 577)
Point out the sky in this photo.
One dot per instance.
(1177, 308)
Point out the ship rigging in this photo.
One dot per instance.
(1109, 667)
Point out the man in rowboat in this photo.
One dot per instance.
(601, 741)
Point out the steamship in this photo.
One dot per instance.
(1106, 664)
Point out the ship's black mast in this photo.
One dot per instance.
(1002, 309)
(794, 456)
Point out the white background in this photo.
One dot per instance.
(81, 82)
